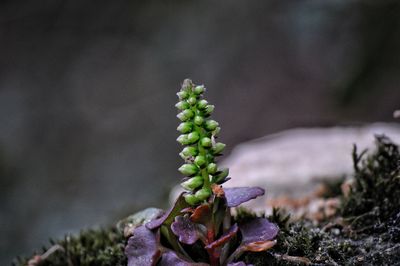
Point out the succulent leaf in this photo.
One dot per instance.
(143, 248)
(172, 258)
(170, 215)
(185, 230)
(238, 195)
(258, 230)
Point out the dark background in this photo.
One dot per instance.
(87, 94)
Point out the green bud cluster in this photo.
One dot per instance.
(199, 134)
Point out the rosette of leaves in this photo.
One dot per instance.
(199, 229)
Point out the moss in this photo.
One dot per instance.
(243, 215)
(90, 248)
(366, 230)
(332, 187)
(375, 193)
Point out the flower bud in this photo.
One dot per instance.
(187, 85)
(181, 116)
(183, 139)
(211, 125)
(188, 169)
(188, 113)
(200, 160)
(191, 199)
(192, 100)
(182, 95)
(182, 105)
(218, 147)
(209, 157)
(202, 104)
(221, 175)
(183, 156)
(209, 109)
(185, 115)
(198, 120)
(192, 183)
(212, 168)
(203, 193)
(199, 89)
(190, 151)
(206, 142)
(193, 137)
(216, 131)
(185, 127)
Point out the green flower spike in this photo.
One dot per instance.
(198, 135)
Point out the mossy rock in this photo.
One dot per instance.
(102, 247)
(366, 230)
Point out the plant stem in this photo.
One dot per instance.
(206, 179)
(214, 260)
(203, 152)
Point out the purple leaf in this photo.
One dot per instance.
(185, 229)
(128, 225)
(143, 247)
(171, 258)
(257, 235)
(239, 263)
(238, 195)
(169, 216)
(258, 229)
(157, 222)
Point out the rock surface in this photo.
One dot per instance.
(293, 163)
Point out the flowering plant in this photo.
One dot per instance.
(199, 228)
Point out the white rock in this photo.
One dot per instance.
(292, 163)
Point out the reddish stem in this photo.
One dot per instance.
(214, 260)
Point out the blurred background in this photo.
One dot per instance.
(87, 94)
